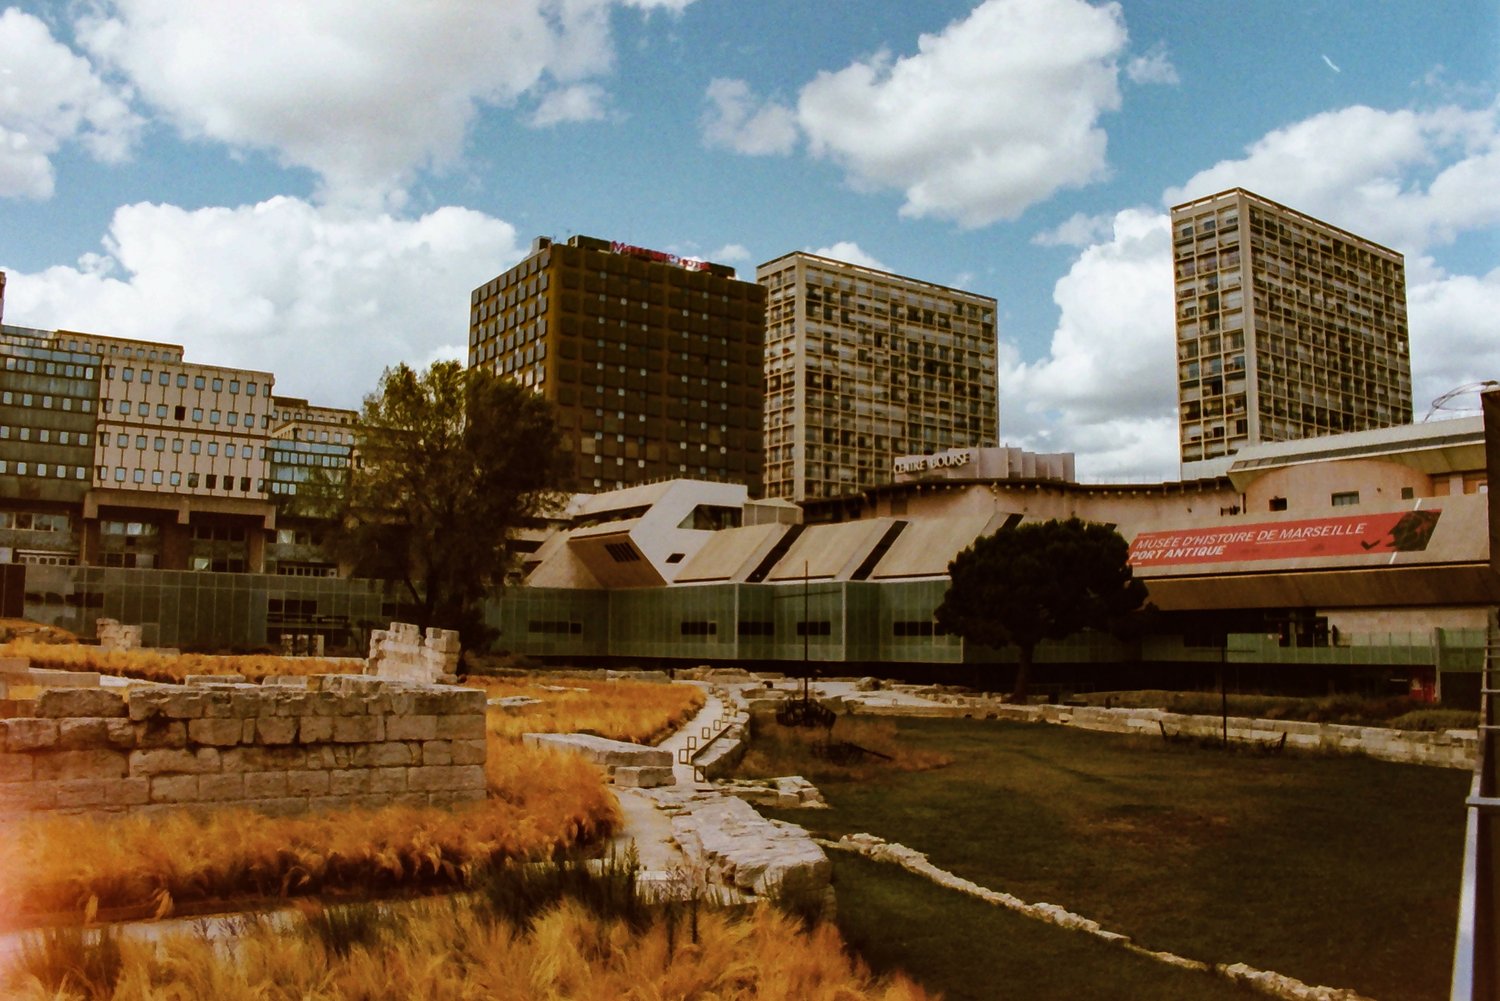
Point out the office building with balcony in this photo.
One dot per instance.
(863, 366)
(653, 361)
(1287, 328)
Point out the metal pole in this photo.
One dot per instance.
(1223, 692)
(806, 630)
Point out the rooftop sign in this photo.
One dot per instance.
(1357, 535)
(687, 263)
(942, 460)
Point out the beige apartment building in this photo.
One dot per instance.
(862, 366)
(1287, 328)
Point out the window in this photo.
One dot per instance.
(163, 378)
(622, 552)
(124, 406)
(1278, 503)
(250, 388)
(179, 412)
(244, 484)
(195, 446)
(211, 481)
(757, 627)
(128, 375)
(192, 479)
(139, 476)
(182, 380)
(119, 474)
(1346, 498)
(175, 479)
(229, 451)
(140, 441)
(161, 411)
(699, 628)
(234, 385)
(213, 417)
(156, 477)
(213, 448)
(197, 413)
(1407, 493)
(159, 445)
(198, 382)
(177, 445)
(820, 627)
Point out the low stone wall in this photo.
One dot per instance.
(115, 636)
(1444, 749)
(402, 653)
(345, 741)
(635, 765)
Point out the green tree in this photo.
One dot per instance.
(450, 462)
(1036, 581)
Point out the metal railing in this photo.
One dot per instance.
(1477, 949)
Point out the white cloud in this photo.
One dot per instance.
(1153, 67)
(1107, 390)
(1453, 335)
(582, 102)
(739, 121)
(48, 97)
(1407, 179)
(850, 253)
(730, 253)
(322, 301)
(992, 115)
(1078, 230)
(363, 94)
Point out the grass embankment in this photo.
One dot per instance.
(778, 750)
(641, 712)
(512, 939)
(1340, 871)
(540, 802)
(1396, 712)
(150, 665)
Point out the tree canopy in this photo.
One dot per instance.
(1036, 581)
(450, 462)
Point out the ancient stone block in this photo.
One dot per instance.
(470, 752)
(215, 731)
(128, 792)
(469, 726)
(82, 793)
(311, 783)
(174, 789)
(169, 702)
(29, 734)
(644, 776)
(348, 782)
(357, 729)
(275, 730)
(411, 727)
(61, 703)
(265, 785)
(76, 734)
(67, 766)
(171, 761)
(262, 758)
(331, 804)
(387, 780)
(314, 729)
(384, 755)
(221, 787)
(432, 778)
(15, 767)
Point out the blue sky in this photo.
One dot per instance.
(315, 188)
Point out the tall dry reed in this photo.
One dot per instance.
(637, 711)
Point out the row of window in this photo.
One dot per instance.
(35, 521)
(194, 446)
(165, 379)
(43, 435)
(32, 367)
(47, 401)
(209, 481)
(231, 418)
(42, 470)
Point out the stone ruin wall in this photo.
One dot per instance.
(115, 636)
(402, 653)
(343, 741)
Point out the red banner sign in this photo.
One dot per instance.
(1356, 535)
(688, 263)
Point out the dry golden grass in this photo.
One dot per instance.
(448, 952)
(171, 669)
(637, 711)
(540, 801)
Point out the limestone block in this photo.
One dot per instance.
(265, 785)
(275, 730)
(310, 783)
(387, 780)
(174, 789)
(15, 767)
(82, 793)
(173, 762)
(443, 700)
(602, 751)
(67, 766)
(61, 703)
(644, 776)
(159, 733)
(214, 679)
(128, 792)
(29, 795)
(81, 734)
(285, 681)
(435, 778)
(218, 788)
(348, 781)
(383, 755)
(29, 734)
(469, 752)
(461, 727)
(166, 701)
(448, 799)
(261, 758)
(437, 752)
(358, 729)
(399, 727)
(314, 729)
(331, 804)
(215, 731)
(286, 806)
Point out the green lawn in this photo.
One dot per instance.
(1340, 871)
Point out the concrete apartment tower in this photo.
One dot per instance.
(863, 366)
(1287, 328)
(653, 361)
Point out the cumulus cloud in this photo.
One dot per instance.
(1078, 230)
(1453, 339)
(1407, 179)
(850, 253)
(582, 102)
(1153, 67)
(49, 97)
(739, 121)
(323, 301)
(731, 253)
(363, 94)
(994, 114)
